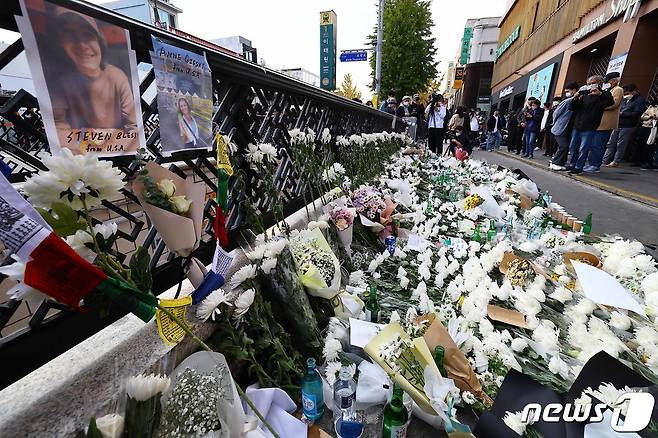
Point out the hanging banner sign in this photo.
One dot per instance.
(617, 63)
(85, 75)
(184, 85)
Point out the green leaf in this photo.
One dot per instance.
(139, 269)
(92, 431)
(63, 219)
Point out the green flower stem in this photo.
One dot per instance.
(203, 345)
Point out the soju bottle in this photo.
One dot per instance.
(312, 399)
(477, 237)
(395, 416)
(491, 233)
(587, 225)
(344, 396)
(429, 208)
(439, 354)
(372, 308)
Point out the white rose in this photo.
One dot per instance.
(167, 187)
(180, 204)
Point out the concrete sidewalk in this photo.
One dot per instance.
(625, 181)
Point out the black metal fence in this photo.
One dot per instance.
(252, 104)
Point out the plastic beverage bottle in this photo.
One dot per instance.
(312, 399)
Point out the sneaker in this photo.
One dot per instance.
(648, 167)
(557, 168)
(537, 148)
(612, 164)
(591, 169)
(576, 171)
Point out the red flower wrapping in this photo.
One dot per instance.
(59, 272)
(220, 227)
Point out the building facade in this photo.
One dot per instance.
(303, 75)
(474, 62)
(146, 10)
(240, 45)
(545, 44)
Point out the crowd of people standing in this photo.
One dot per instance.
(597, 124)
(459, 128)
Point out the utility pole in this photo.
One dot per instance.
(378, 59)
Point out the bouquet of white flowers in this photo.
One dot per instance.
(317, 266)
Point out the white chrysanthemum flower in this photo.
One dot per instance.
(620, 321)
(650, 284)
(514, 422)
(21, 291)
(468, 397)
(268, 265)
(142, 388)
(243, 302)
(331, 349)
(210, 305)
(331, 371)
(395, 317)
(254, 154)
(71, 176)
(559, 367)
(519, 344)
(269, 152)
(111, 425)
(243, 274)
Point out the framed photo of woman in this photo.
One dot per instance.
(184, 88)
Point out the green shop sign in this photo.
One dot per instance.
(466, 45)
(508, 42)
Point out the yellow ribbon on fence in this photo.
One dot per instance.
(168, 329)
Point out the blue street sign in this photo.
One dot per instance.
(360, 55)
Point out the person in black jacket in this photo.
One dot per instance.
(631, 110)
(588, 106)
(404, 110)
(512, 131)
(495, 125)
(532, 127)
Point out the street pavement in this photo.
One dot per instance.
(614, 210)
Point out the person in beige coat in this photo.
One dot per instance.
(609, 122)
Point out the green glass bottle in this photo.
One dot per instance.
(439, 354)
(372, 308)
(476, 237)
(395, 416)
(587, 225)
(429, 209)
(491, 233)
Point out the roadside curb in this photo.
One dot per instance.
(637, 197)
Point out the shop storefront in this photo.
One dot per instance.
(611, 35)
(539, 82)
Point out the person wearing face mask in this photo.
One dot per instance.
(495, 125)
(630, 112)
(404, 109)
(647, 153)
(436, 130)
(549, 144)
(588, 106)
(533, 119)
(609, 122)
(562, 128)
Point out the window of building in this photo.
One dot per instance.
(165, 17)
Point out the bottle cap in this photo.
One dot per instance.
(310, 362)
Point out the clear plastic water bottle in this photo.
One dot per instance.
(344, 395)
(312, 398)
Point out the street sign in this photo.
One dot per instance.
(353, 55)
(328, 33)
